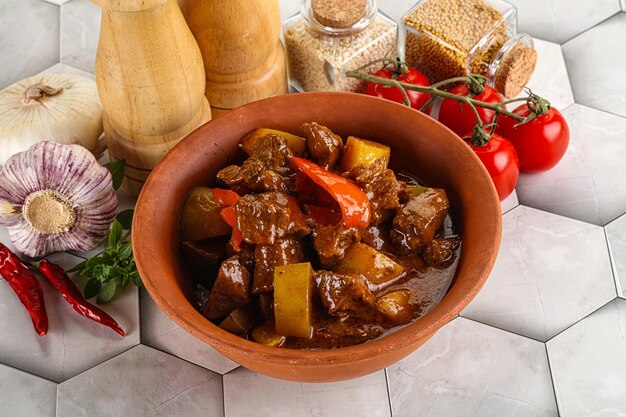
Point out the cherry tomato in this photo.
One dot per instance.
(459, 117)
(540, 143)
(500, 159)
(412, 76)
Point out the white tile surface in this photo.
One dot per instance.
(550, 79)
(510, 202)
(25, 395)
(616, 237)
(469, 369)
(142, 382)
(588, 363)
(560, 20)
(73, 343)
(67, 69)
(551, 271)
(162, 333)
(29, 38)
(588, 183)
(248, 394)
(80, 30)
(594, 60)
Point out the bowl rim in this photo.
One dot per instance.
(226, 342)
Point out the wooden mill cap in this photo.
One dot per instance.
(339, 14)
(515, 70)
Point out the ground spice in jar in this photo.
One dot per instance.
(452, 38)
(320, 53)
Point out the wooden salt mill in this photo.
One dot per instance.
(244, 59)
(151, 82)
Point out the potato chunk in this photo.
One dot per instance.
(377, 267)
(201, 218)
(240, 320)
(362, 152)
(397, 307)
(293, 288)
(297, 144)
(266, 335)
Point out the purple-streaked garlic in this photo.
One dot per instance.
(56, 197)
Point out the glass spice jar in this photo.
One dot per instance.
(329, 37)
(453, 38)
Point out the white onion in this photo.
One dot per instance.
(61, 108)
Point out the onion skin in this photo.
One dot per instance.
(73, 115)
(74, 173)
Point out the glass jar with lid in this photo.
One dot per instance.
(452, 38)
(329, 37)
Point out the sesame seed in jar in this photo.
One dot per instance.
(318, 59)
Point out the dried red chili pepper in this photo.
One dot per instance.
(23, 281)
(62, 282)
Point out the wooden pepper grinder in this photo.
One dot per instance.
(151, 82)
(244, 59)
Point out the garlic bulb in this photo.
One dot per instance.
(56, 197)
(62, 108)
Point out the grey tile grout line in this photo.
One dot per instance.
(223, 396)
(556, 398)
(578, 321)
(501, 329)
(618, 291)
(589, 28)
(388, 392)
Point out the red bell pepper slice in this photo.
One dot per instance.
(322, 215)
(225, 198)
(354, 204)
(230, 217)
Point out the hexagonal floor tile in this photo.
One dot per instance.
(560, 20)
(550, 79)
(588, 364)
(593, 61)
(616, 236)
(73, 343)
(587, 184)
(268, 397)
(509, 203)
(29, 38)
(25, 395)
(140, 383)
(80, 30)
(159, 331)
(551, 271)
(469, 369)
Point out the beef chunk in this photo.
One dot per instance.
(418, 220)
(205, 257)
(331, 242)
(286, 251)
(346, 295)
(380, 186)
(440, 252)
(267, 169)
(404, 194)
(323, 145)
(265, 218)
(246, 254)
(230, 291)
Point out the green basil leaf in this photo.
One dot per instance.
(134, 276)
(107, 292)
(125, 280)
(91, 262)
(87, 272)
(77, 267)
(115, 234)
(117, 169)
(125, 251)
(92, 288)
(117, 271)
(125, 218)
(99, 272)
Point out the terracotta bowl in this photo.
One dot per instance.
(419, 145)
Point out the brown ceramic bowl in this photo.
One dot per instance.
(419, 145)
